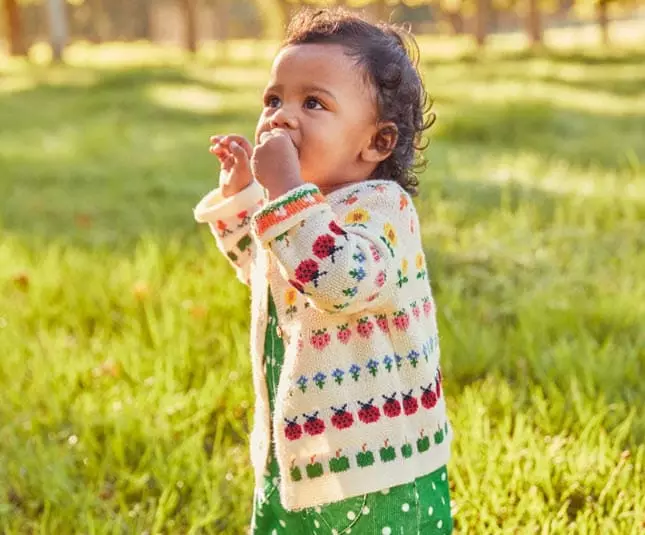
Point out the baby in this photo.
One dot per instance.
(350, 430)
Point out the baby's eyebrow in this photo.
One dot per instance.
(279, 88)
(317, 89)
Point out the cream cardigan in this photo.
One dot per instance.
(359, 406)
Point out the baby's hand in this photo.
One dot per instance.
(275, 163)
(233, 153)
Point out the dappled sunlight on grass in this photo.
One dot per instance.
(186, 97)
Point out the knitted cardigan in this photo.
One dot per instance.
(359, 406)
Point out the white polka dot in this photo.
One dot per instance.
(439, 524)
(318, 510)
(405, 507)
(275, 481)
(430, 511)
(348, 530)
(351, 515)
(283, 523)
(443, 500)
(366, 510)
(385, 492)
(434, 487)
(274, 532)
(386, 531)
(334, 532)
(317, 524)
(443, 476)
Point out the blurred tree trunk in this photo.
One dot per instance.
(285, 12)
(14, 30)
(140, 23)
(190, 24)
(223, 18)
(482, 18)
(57, 28)
(603, 19)
(455, 19)
(382, 10)
(534, 23)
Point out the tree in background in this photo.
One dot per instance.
(14, 31)
(190, 24)
(58, 34)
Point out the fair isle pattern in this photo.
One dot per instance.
(365, 412)
(369, 368)
(287, 207)
(358, 322)
(230, 223)
(344, 460)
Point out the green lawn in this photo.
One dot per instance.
(124, 373)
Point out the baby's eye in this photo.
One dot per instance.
(271, 101)
(312, 103)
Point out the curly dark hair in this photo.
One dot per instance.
(389, 57)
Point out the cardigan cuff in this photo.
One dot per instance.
(283, 213)
(214, 206)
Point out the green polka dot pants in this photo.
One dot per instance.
(421, 507)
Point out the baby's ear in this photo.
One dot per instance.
(382, 143)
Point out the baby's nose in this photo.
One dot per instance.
(283, 119)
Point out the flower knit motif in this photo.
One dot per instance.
(338, 374)
(403, 203)
(290, 297)
(403, 271)
(420, 263)
(372, 366)
(319, 379)
(358, 273)
(413, 357)
(351, 198)
(222, 229)
(359, 256)
(358, 217)
(376, 256)
(244, 218)
(355, 371)
(390, 238)
(427, 306)
(350, 292)
(387, 362)
(302, 383)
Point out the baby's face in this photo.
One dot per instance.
(319, 95)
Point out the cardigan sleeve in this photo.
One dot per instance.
(229, 219)
(346, 264)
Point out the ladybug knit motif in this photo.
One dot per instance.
(360, 404)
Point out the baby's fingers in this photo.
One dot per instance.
(240, 155)
(219, 151)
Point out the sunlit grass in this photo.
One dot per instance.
(125, 376)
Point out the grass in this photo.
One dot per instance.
(124, 373)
